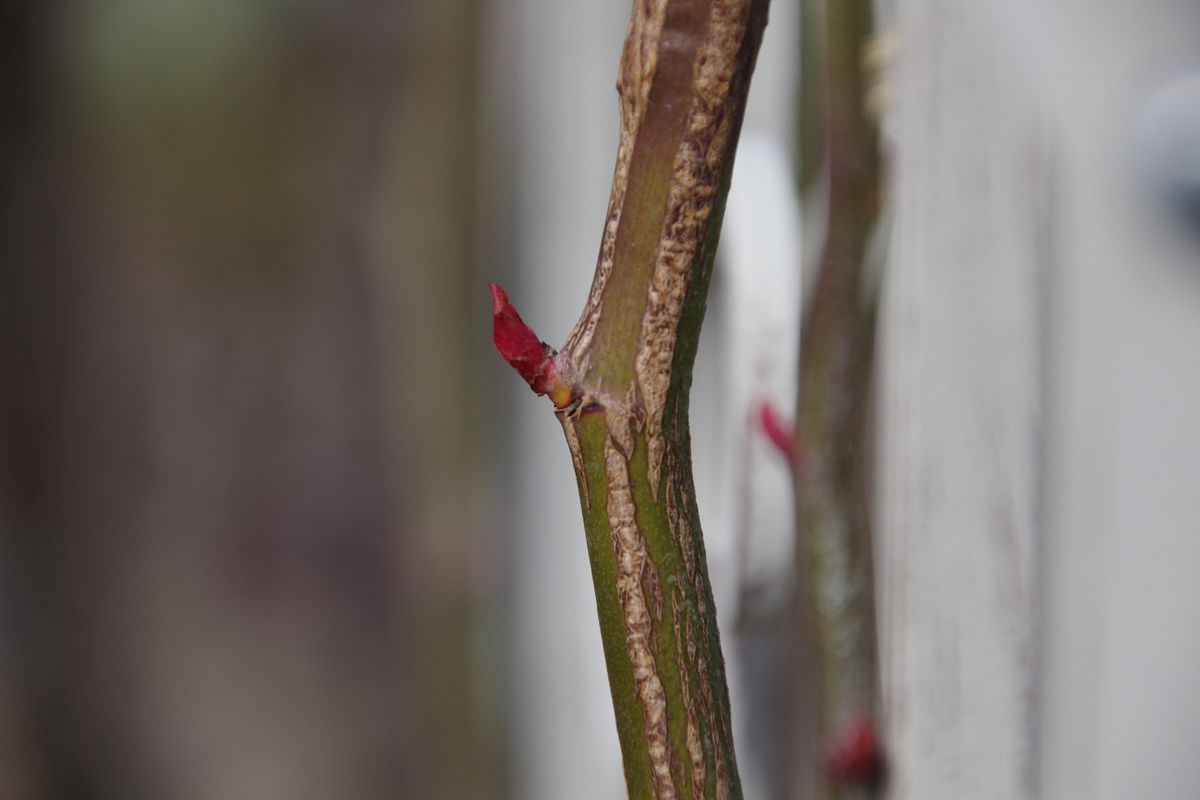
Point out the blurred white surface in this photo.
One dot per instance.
(552, 74)
(1038, 521)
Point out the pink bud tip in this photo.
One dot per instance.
(854, 755)
(499, 298)
(778, 432)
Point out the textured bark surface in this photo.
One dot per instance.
(684, 76)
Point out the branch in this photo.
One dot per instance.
(620, 385)
(834, 547)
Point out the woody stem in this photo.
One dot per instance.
(685, 72)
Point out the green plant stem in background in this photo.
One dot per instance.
(834, 548)
(684, 75)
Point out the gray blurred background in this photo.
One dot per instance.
(247, 549)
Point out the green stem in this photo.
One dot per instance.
(684, 75)
(833, 527)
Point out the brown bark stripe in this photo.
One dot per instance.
(695, 746)
(573, 444)
(639, 60)
(630, 548)
(695, 182)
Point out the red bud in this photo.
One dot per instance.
(854, 755)
(528, 355)
(778, 432)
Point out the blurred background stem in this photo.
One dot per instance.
(840, 171)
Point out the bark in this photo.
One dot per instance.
(684, 76)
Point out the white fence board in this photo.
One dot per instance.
(960, 399)
(1037, 511)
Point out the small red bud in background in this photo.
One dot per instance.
(530, 356)
(854, 755)
(778, 432)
